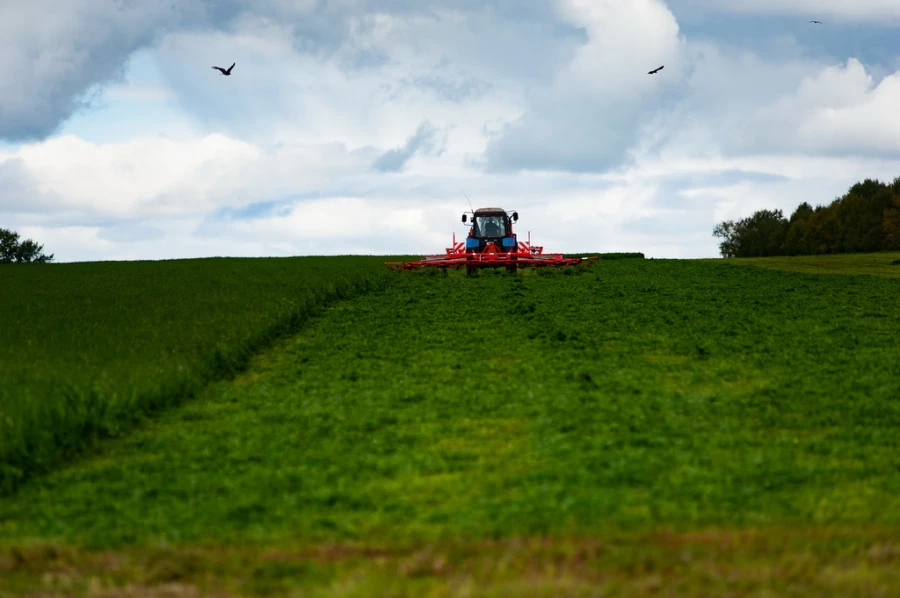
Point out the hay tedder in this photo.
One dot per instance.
(491, 243)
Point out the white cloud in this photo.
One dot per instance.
(451, 69)
(589, 115)
(837, 110)
(143, 175)
(51, 53)
(626, 39)
(736, 104)
(858, 10)
(642, 208)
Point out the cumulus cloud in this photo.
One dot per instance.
(838, 110)
(444, 66)
(587, 118)
(860, 10)
(664, 207)
(738, 105)
(56, 56)
(157, 176)
(53, 53)
(425, 140)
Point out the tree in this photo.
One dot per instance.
(762, 234)
(729, 245)
(11, 251)
(767, 230)
(831, 230)
(797, 239)
(891, 225)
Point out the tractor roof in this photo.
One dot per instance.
(490, 211)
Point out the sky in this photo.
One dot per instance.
(362, 126)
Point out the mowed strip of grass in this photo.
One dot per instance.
(877, 264)
(444, 415)
(89, 347)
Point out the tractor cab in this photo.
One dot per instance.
(490, 225)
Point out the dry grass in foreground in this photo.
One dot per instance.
(819, 562)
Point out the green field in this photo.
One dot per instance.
(635, 427)
(88, 348)
(878, 264)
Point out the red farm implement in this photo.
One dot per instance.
(491, 243)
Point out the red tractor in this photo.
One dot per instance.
(491, 243)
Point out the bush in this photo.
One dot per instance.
(621, 256)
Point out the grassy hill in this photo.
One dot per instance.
(634, 427)
(89, 348)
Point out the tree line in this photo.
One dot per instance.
(866, 219)
(12, 251)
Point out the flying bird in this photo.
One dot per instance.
(819, 22)
(224, 72)
(654, 71)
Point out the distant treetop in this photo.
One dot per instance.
(14, 252)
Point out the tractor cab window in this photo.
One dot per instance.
(490, 226)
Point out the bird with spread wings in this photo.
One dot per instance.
(223, 71)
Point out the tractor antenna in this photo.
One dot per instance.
(470, 202)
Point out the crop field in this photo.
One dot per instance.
(87, 348)
(635, 427)
(879, 264)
